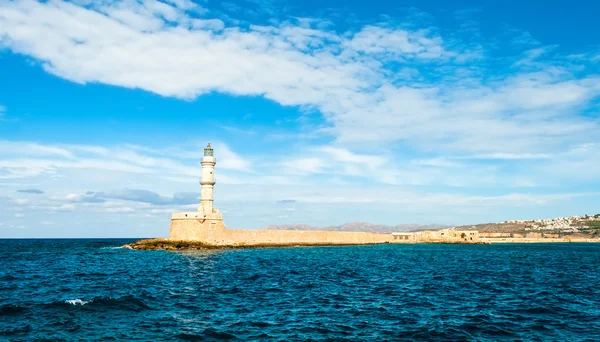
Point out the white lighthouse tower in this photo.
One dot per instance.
(207, 182)
(198, 225)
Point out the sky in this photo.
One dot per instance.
(319, 112)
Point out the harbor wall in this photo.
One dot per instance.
(538, 240)
(212, 231)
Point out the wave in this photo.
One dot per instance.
(8, 277)
(117, 247)
(208, 333)
(127, 303)
(76, 301)
(11, 309)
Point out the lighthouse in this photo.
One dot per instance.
(207, 220)
(207, 182)
(205, 226)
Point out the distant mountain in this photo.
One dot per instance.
(360, 227)
(587, 224)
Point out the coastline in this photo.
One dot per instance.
(204, 229)
(186, 245)
(540, 240)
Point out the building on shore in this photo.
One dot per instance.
(403, 236)
(448, 235)
(494, 235)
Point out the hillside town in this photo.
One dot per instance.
(586, 226)
(562, 229)
(571, 224)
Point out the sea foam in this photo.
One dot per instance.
(76, 301)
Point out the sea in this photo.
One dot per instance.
(93, 290)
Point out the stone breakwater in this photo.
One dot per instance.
(195, 233)
(539, 240)
(182, 245)
(211, 231)
(191, 232)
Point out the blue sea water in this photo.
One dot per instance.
(90, 290)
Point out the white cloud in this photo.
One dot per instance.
(335, 161)
(437, 162)
(120, 210)
(230, 160)
(72, 197)
(396, 43)
(25, 149)
(262, 194)
(66, 207)
(168, 51)
(508, 156)
(345, 156)
(304, 165)
(20, 201)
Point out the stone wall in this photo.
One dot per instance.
(210, 230)
(538, 240)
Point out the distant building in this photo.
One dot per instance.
(494, 235)
(550, 235)
(403, 236)
(443, 235)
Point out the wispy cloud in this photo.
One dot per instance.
(353, 78)
(22, 160)
(508, 156)
(138, 195)
(231, 160)
(31, 191)
(26, 149)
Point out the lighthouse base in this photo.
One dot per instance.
(196, 226)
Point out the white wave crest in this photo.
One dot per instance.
(119, 247)
(76, 301)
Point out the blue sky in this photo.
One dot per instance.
(388, 112)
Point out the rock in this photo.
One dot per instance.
(168, 245)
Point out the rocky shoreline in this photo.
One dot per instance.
(182, 245)
(168, 245)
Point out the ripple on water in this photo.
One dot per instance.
(89, 290)
(11, 310)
